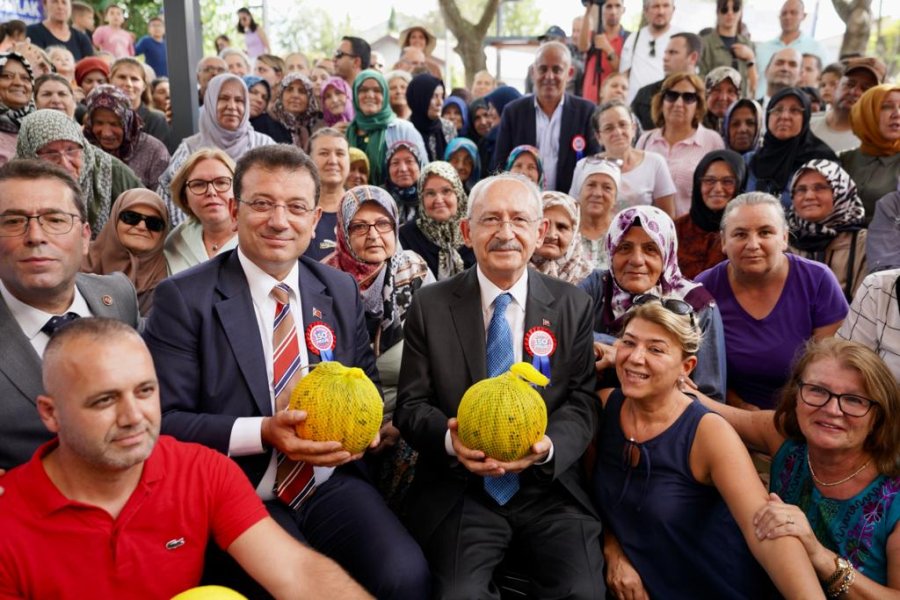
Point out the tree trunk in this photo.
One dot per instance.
(469, 36)
(857, 15)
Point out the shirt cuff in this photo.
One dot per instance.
(549, 455)
(448, 444)
(246, 437)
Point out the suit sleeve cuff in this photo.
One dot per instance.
(246, 437)
(448, 444)
(549, 456)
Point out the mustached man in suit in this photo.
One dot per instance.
(468, 510)
(44, 237)
(231, 337)
(557, 123)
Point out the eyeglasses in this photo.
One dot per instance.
(56, 223)
(297, 209)
(58, 155)
(130, 217)
(729, 8)
(688, 97)
(359, 228)
(652, 48)
(520, 224)
(200, 186)
(849, 404)
(792, 111)
(213, 69)
(340, 53)
(728, 182)
(673, 305)
(818, 188)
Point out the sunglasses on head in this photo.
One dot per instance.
(688, 97)
(674, 305)
(154, 224)
(652, 48)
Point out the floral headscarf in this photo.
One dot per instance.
(445, 234)
(407, 198)
(300, 125)
(847, 214)
(339, 84)
(461, 143)
(572, 266)
(671, 283)
(864, 121)
(112, 98)
(514, 154)
(47, 125)
(11, 118)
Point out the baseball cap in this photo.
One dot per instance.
(872, 64)
(553, 33)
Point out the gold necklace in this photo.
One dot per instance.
(844, 480)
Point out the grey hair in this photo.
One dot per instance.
(398, 73)
(554, 44)
(225, 53)
(533, 193)
(754, 199)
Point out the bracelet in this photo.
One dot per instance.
(842, 577)
(751, 64)
(845, 582)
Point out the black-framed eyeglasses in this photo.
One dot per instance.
(55, 223)
(340, 54)
(154, 224)
(674, 305)
(652, 48)
(296, 209)
(688, 97)
(359, 228)
(199, 186)
(851, 405)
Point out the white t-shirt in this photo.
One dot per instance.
(838, 140)
(645, 69)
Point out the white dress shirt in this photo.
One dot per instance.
(547, 137)
(31, 319)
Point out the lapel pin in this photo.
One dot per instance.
(317, 313)
(107, 300)
(545, 322)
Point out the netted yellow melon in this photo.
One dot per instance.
(504, 416)
(209, 592)
(342, 404)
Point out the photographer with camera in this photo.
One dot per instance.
(602, 41)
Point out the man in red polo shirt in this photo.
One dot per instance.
(110, 509)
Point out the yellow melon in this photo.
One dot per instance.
(504, 416)
(209, 592)
(342, 404)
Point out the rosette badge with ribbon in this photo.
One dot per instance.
(504, 416)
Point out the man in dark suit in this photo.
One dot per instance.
(464, 525)
(44, 236)
(214, 336)
(558, 123)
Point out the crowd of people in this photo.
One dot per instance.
(694, 235)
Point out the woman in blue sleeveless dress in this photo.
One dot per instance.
(675, 488)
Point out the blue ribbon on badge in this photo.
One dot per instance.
(542, 364)
(326, 355)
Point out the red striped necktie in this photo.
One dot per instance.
(294, 480)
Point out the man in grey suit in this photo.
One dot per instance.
(44, 236)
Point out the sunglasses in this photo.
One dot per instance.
(652, 48)
(340, 54)
(673, 305)
(729, 9)
(688, 97)
(154, 224)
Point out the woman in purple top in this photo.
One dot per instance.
(771, 303)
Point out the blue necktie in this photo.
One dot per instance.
(59, 322)
(499, 359)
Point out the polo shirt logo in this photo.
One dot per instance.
(173, 544)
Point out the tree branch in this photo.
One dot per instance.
(842, 8)
(490, 11)
(455, 20)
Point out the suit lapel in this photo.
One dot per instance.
(539, 310)
(468, 320)
(531, 124)
(237, 316)
(18, 359)
(317, 306)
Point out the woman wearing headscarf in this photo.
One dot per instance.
(224, 124)
(496, 101)
(375, 127)
(826, 222)
(131, 242)
(296, 108)
(16, 100)
(787, 144)
(456, 111)
(643, 250)
(425, 96)
(260, 93)
(462, 153)
(52, 136)
(561, 254)
(875, 165)
(337, 103)
(718, 178)
(359, 169)
(526, 160)
(112, 125)
(596, 187)
(404, 164)
(434, 234)
(742, 128)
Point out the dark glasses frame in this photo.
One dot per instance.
(688, 97)
(132, 218)
(673, 305)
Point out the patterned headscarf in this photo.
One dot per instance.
(514, 154)
(112, 98)
(407, 198)
(373, 126)
(572, 266)
(47, 125)
(659, 226)
(11, 118)
(300, 125)
(847, 214)
(864, 121)
(444, 234)
(339, 84)
(461, 143)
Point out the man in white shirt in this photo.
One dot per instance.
(232, 336)
(833, 126)
(642, 54)
(44, 237)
